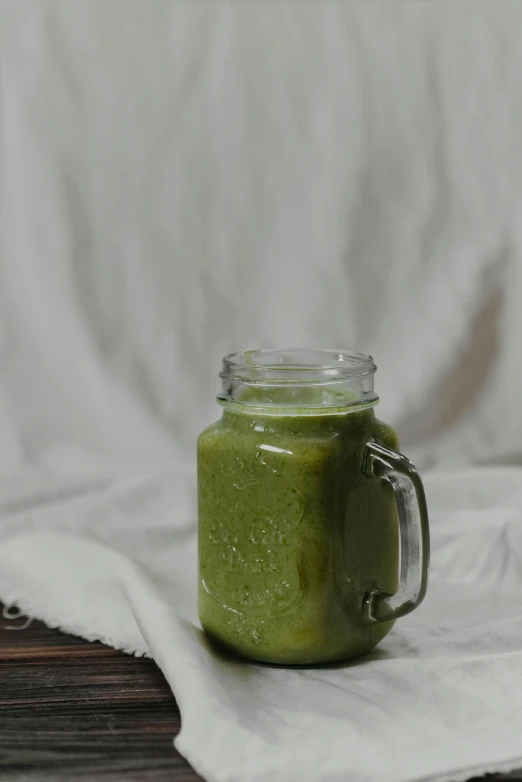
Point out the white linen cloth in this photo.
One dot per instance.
(440, 698)
(182, 179)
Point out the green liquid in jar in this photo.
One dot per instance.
(292, 535)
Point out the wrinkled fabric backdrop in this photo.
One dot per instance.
(183, 179)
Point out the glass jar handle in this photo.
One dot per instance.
(384, 464)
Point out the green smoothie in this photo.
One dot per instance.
(292, 535)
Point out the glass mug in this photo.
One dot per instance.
(313, 529)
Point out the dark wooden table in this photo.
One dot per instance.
(73, 710)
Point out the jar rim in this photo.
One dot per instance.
(296, 365)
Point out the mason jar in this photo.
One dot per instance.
(313, 528)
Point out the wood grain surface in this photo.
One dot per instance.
(71, 710)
